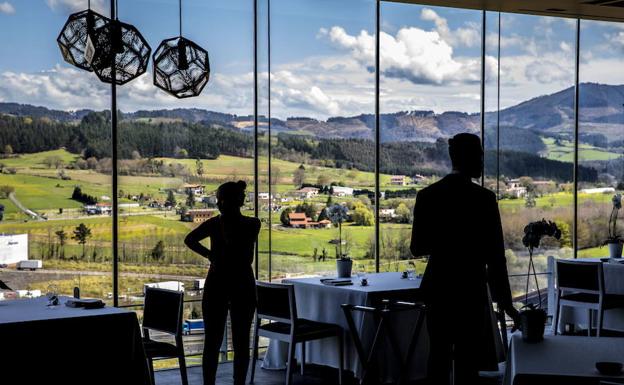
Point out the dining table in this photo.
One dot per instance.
(68, 345)
(561, 360)
(320, 302)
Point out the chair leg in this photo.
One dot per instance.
(600, 320)
(290, 365)
(557, 311)
(254, 353)
(589, 322)
(150, 365)
(303, 357)
(183, 373)
(341, 356)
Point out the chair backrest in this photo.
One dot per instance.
(276, 302)
(580, 276)
(163, 310)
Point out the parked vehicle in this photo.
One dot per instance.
(191, 325)
(31, 264)
(198, 284)
(169, 285)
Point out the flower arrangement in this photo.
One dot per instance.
(534, 317)
(337, 214)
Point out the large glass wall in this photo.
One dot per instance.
(316, 149)
(55, 166)
(430, 68)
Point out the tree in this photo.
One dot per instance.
(299, 176)
(8, 150)
(199, 167)
(529, 199)
(322, 180)
(171, 201)
(330, 201)
(5, 191)
(275, 175)
(308, 208)
(362, 215)
(403, 213)
(81, 234)
(284, 216)
(158, 252)
(323, 215)
(190, 198)
(180, 153)
(61, 235)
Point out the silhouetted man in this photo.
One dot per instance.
(457, 224)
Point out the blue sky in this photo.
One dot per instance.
(322, 55)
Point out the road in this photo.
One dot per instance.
(164, 277)
(23, 208)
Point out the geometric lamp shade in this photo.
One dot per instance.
(181, 67)
(73, 37)
(122, 45)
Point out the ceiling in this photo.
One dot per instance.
(609, 10)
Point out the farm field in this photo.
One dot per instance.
(563, 150)
(39, 187)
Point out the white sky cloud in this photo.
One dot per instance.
(7, 8)
(77, 5)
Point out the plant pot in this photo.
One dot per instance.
(615, 249)
(532, 323)
(343, 267)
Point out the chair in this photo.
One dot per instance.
(163, 313)
(276, 303)
(382, 316)
(581, 285)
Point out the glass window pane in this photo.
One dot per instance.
(322, 132)
(55, 168)
(430, 91)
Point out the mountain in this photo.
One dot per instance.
(601, 106)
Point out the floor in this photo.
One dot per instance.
(315, 375)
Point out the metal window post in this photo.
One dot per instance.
(115, 186)
(576, 138)
(377, 130)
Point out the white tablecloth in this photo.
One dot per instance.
(561, 360)
(320, 302)
(614, 284)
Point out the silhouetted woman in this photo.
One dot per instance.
(230, 283)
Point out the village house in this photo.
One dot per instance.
(340, 191)
(300, 221)
(98, 209)
(197, 215)
(196, 189)
(307, 192)
(398, 180)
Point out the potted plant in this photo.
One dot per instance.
(615, 241)
(533, 317)
(338, 214)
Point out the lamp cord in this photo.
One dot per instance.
(180, 15)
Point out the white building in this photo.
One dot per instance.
(340, 191)
(13, 248)
(307, 192)
(598, 190)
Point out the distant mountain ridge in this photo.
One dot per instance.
(601, 111)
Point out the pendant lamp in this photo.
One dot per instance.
(119, 45)
(181, 67)
(74, 37)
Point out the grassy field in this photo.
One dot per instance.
(564, 151)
